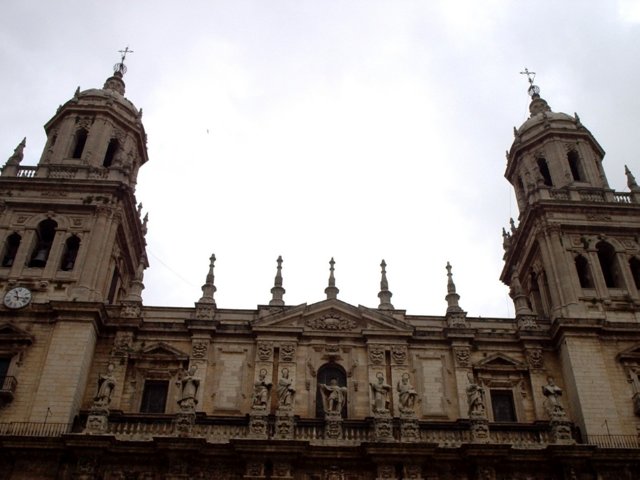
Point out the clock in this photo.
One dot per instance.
(17, 297)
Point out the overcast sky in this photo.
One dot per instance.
(360, 130)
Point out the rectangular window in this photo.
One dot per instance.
(154, 396)
(502, 406)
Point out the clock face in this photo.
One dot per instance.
(17, 297)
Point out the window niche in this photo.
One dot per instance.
(112, 150)
(609, 265)
(506, 384)
(634, 266)
(584, 272)
(543, 168)
(79, 142)
(71, 248)
(630, 360)
(45, 233)
(11, 245)
(326, 374)
(13, 342)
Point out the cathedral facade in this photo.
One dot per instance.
(96, 385)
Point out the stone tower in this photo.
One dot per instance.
(73, 240)
(574, 258)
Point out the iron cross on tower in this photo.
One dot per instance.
(121, 67)
(533, 89)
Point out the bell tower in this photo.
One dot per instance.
(72, 244)
(71, 228)
(574, 259)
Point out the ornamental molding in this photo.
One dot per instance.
(331, 322)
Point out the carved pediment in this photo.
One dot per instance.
(333, 316)
(160, 351)
(630, 356)
(11, 334)
(500, 362)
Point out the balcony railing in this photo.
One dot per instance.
(27, 171)
(32, 429)
(613, 441)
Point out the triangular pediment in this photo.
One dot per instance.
(161, 350)
(499, 361)
(333, 316)
(10, 333)
(631, 355)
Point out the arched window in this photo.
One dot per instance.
(11, 249)
(544, 171)
(634, 265)
(79, 143)
(44, 239)
(112, 149)
(575, 165)
(584, 272)
(71, 247)
(329, 374)
(609, 265)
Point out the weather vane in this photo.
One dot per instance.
(533, 89)
(121, 67)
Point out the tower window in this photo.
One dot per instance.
(634, 265)
(45, 233)
(609, 265)
(11, 249)
(576, 167)
(544, 171)
(112, 149)
(113, 288)
(80, 141)
(502, 405)
(584, 272)
(154, 396)
(71, 247)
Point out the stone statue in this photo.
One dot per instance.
(380, 392)
(553, 393)
(261, 391)
(106, 385)
(475, 397)
(286, 391)
(333, 396)
(406, 394)
(190, 386)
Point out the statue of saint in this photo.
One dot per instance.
(286, 391)
(380, 394)
(261, 391)
(406, 394)
(190, 386)
(18, 153)
(475, 397)
(106, 385)
(334, 397)
(553, 393)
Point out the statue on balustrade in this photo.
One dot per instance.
(189, 389)
(261, 391)
(553, 393)
(406, 394)
(334, 397)
(106, 386)
(286, 391)
(475, 398)
(380, 392)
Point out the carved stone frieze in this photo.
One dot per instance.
(386, 472)
(331, 321)
(287, 352)
(265, 351)
(205, 311)
(462, 356)
(376, 355)
(479, 430)
(383, 428)
(333, 427)
(409, 429)
(122, 344)
(131, 310)
(199, 349)
(258, 425)
(399, 354)
(527, 322)
(534, 358)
